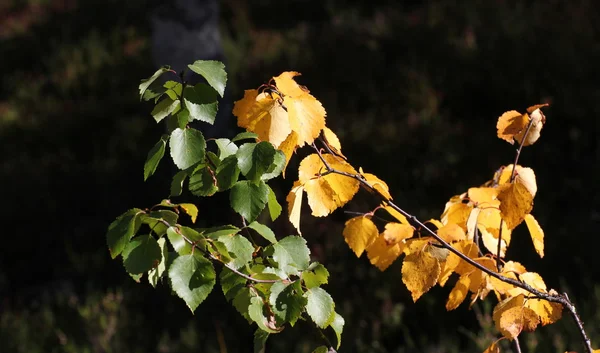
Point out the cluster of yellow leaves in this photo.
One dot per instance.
(512, 125)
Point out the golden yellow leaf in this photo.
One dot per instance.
(382, 254)
(396, 232)
(190, 209)
(538, 119)
(481, 283)
(537, 234)
(490, 241)
(548, 312)
(531, 278)
(515, 203)
(242, 107)
(332, 141)
(493, 348)
(377, 183)
(451, 232)
(360, 232)
(268, 119)
(514, 267)
(508, 316)
(288, 146)
(436, 223)
(294, 200)
(457, 213)
(454, 263)
(287, 85)
(536, 107)
(326, 193)
(306, 117)
(482, 195)
(458, 293)
(510, 124)
(416, 245)
(420, 272)
(397, 215)
(523, 175)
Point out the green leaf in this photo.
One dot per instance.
(255, 159)
(287, 302)
(216, 232)
(121, 230)
(246, 135)
(154, 156)
(155, 274)
(291, 254)
(194, 236)
(202, 182)
(141, 254)
(177, 183)
(174, 89)
(177, 242)
(192, 278)
(264, 231)
(226, 147)
(213, 72)
(214, 159)
(255, 311)
(249, 199)
(231, 283)
(187, 147)
(241, 303)
(147, 82)
(338, 326)
(219, 250)
(276, 167)
(136, 277)
(321, 349)
(240, 248)
(190, 209)
(154, 218)
(227, 173)
(273, 205)
(320, 306)
(201, 101)
(154, 91)
(260, 341)
(163, 108)
(315, 276)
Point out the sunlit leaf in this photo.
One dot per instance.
(320, 306)
(537, 234)
(121, 230)
(294, 200)
(249, 199)
(214, 73)
(510, 124)
(360, 232)
(381, 254)
(515, 203)
(201, 102)
(147, 82)
(333, 141)
(192, 278)
(306, 117)
(154, 156)
(288, 86)
(187, 147)
(420, 272)
(458, 293)
(141, 254)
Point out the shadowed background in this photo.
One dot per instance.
(413, 90)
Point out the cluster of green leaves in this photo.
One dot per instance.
(270, 282)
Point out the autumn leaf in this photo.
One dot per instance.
(523, 175)
(382, 254)
(538, 119)
(482, 195)
(360, 232)
(510, 124)
(294, 200)
(548, 312)
(376, 183)
(287, 85)
(458, 293)
(397, 232)
(454, 263)
(332, 141)
(508, 318)
(242, 107)
(494, 347)
(451, 232)
(515, 202)
(288, 147)
(537, 234)
(457, 213)
(326, 193)
(397, 215)
(268, 119)
(420, 272)
(306, 117)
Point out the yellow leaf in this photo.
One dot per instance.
(483, 195)
(514, 267)
(457, 213)
(515, 203)
(360, 232)
(436, 223)
(537, 234)
(451, 232)
(396, 232)
(377, 183)
(397, 215)
(242, 107)
(536, 107)
(548, 312)
(190, 209)
(326, 193)
(382, 254)
(269, 120)
(490, 240)
(307, 117)
(523, 175)
(493, 348)
(420, 272)
(531, 278)
(454, 263)
(538, 119)
(508, 316)
(458, 293)
(288, 147)
(332, 141)
(510, 124)
(294, 200)
(287, 85)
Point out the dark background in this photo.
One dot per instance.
(413, 90)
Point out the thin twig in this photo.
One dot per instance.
(517, 345)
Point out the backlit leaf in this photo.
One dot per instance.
(548, 312)
(510, 124)
(164, 108)
(537, 234)
(241, 110)
(294, 200)
(190, 209)
(268, 119)
(523, 175)
(360, 232)
(538, 119)
(315, 275)
(377, 183)
(320, 306)
(493, 348)
(256, 313)
(147, 82)
(291, 254)
(178, 242)
(306, 117)
(226, 147)
(192, 278)
(395, 233)
(458, 293)
(214, 73)
(249, 199)
(338, 326)
(177, 183)
(273, 205)
(287, 302)
(141, 254)
(121, 230)
(264, 231)
(288, 86)
(420, 272)
(511, 317)
(451, 232)
(515, 203)
(201, 102)
(239, 247)
(154, 156)
(255, 159)
(288, 146)
(187, 147)
(397, 215)
(155, 274)
(381, 254)
(333, 142)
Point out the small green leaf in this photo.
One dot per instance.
(241, 303)
(246, 135)
(240, 248)
(121, 230)
(214, 159)
(264, 231)
(147, 82)
(316, 276)
(201, 101)
(227, 173)
(287, 302)
(291, 254)
(154, 156)
(155, 274)
(231, 283)
(154, 91)
(177, 242)
(141, 254)
(213, 72)
(216, 232)
(273, 205)
(190, 209)
(255, 159)
(321, 349)
(203, 182)
(320, 307)
(154, 220)
(219, 250)
(256, 314)
(338, 326)
(249, 199)
(164, 108)
(226, 147)
(194, 236)
(192, 278)
(136, 277)
(187, 147)
(177, 183)
(260, 341)
(174, 89)
(276, 167)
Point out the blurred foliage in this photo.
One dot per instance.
(413, 90)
